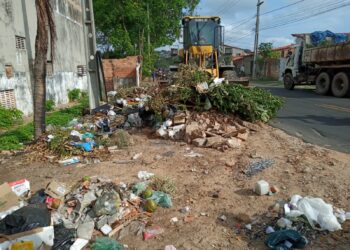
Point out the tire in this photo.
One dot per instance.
(288, 81)
(229, 75)
(340, 85)
(323, 83)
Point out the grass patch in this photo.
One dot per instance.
(13, 139)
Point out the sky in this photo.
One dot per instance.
(238, 18)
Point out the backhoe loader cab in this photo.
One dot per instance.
(203, 36)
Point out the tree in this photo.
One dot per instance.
(45, 29)
(266, 51)
(122, 25)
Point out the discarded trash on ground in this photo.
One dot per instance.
(69, 216)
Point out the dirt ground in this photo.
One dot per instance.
(214, 184)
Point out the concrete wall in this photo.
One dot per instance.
(18, 18)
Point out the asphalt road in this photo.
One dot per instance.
(321, 120)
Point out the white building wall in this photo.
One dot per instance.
(70, 50)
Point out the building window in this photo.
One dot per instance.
(7, 98)
(228, 51)
(9, 71)
(49, 68)
(81, 69)
(20, 42)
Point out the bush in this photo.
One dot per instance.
(49, 105)
(74, 95)
(9, 117)
(251, 104)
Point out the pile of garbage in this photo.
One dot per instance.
(65, 217)
(290, 225)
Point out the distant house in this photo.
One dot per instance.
(270, 69)
(234, 51)
(122, 72)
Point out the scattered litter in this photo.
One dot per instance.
(152, 232)
(248, 226)
(185, 210)
(174, 220)
(170, 247)
(106, 244)
(70, 161)
(223, 218)
(258, 166)
(262, 187)
(20, 187)
(137, 156)
(144, 175)
(79, 244)
(316, 211)
(269, 230)
(106, 229)
(278, 240)
(193, 155)
(284, 223)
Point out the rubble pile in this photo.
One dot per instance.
(76, 215)
(207, 129)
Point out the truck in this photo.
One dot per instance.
(327, 66)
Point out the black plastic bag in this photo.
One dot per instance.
(25, 219)
(277, 240)
(64, 238)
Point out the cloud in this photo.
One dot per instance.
(278, 41)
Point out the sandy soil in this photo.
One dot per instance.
(215, 185)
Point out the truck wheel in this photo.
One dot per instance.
(340, 85)
(323, 83)
(288, 81)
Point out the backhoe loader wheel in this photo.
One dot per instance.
(288, 81)
(323, 83)
(340, 85)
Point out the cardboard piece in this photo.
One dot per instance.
(38, 236)
(8, 198)
(20, 187)
(56, 189)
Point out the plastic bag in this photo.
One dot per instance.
(286, 239)
(317, 212)
(64, 238)
(106, 244)
(138, 188)
(107, 204)
(162, 199)
(25, 219)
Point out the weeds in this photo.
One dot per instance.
(9, 117)
(49, 105)
(13, 139)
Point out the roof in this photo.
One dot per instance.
(284, 47)
(201, 17)
(234, 47)
(305, 34)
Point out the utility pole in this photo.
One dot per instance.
(90, 47)
(149, 34)
(256, 44)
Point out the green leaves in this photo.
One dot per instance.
(122, 25)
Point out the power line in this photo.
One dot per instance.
(321, 11)
(300, 18)
(244, 21)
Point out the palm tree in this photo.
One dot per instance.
(45, 37)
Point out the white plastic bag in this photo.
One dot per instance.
(317, 212)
